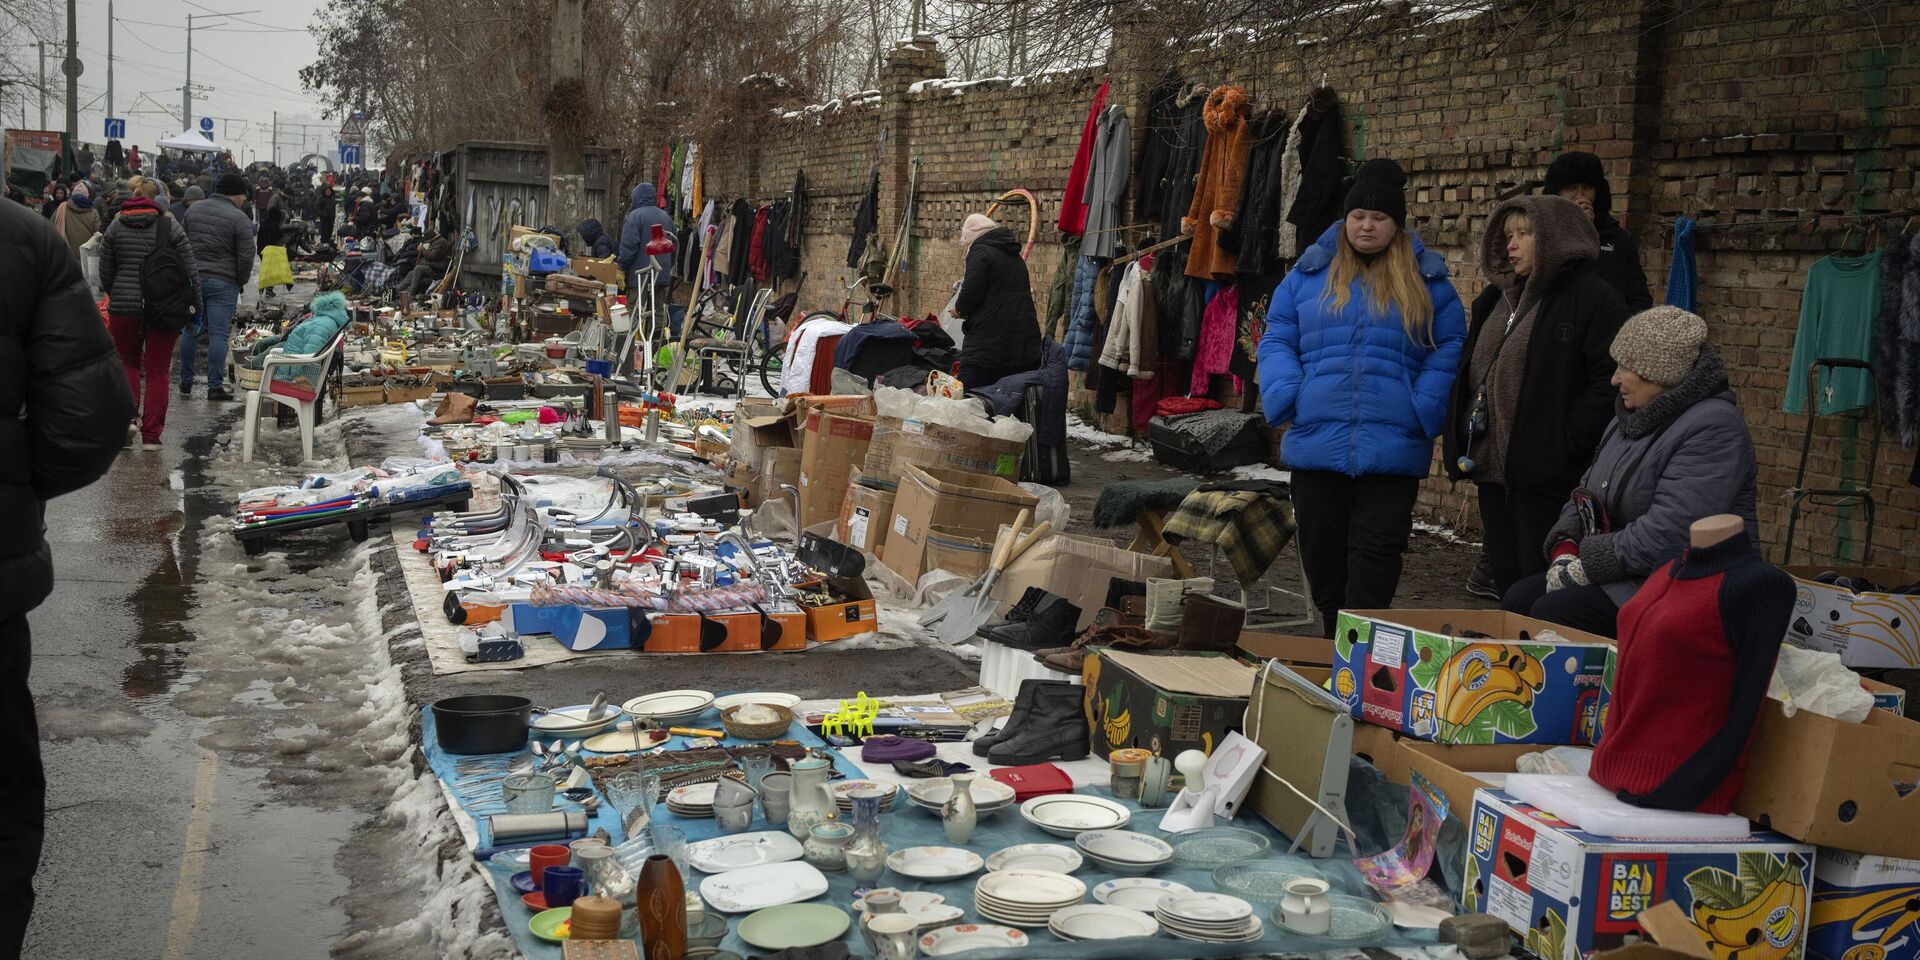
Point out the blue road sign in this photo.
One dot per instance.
(116, 128)
(350, 154)
(206, 124)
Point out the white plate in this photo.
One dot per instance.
(787, 700)
(1205, 908)
(743, 850)
(1253, 930)
(693, 795)
(1031, 886)
(1069, 814)
(934, 863)
(1124, 846)
(971, 936)
(669, 705)
(1137, 893)
(986, 793)
(572, 721)
(767, 885)
(1052, 857)
(1098, 921)
(1041, 909)
(617, 742)
(926, 908)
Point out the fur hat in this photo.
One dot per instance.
(1660, 344)
(977, 226)
(1380, 185)
(231, 185)
(1578, 166)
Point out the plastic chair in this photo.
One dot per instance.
(305, 402)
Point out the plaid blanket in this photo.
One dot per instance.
(377, 277)
(1251, 528)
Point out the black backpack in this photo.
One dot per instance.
(165, 285)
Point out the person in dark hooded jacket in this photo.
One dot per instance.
(636, 230)
(595, 241)
(1533, 396)
(1579, 177)
(66, 406)
(1002, 331)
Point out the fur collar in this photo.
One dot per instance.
(1708, 378)
(1225, 108)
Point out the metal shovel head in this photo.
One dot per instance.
(974, 608)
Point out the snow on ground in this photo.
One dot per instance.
(1443, 532)
(1091, 435)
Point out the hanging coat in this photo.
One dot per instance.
(1150, 185)
(796, 227)
(1323, 171)
(1254, 237)
(1080, 329)
(739, 258)
(1073, 206)
(1106, 191)
(1217, 191)
(757, 261)
(1190, 142)
(866, 219)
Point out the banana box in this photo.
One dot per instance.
(1872, 628)
(1165, 704)
(1569, 894)
(1865, 907)
(1469, 676)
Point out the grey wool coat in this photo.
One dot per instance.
(1107, 183)
(1685, 456)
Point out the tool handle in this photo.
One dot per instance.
(696, 732)
(1033, 536)
(1003, 545)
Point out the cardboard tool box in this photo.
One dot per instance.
(853, 613)
(864, 515)
(1164, 704)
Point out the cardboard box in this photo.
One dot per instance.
(605, 271)
(1569, 893)
(759, 426)
(1863, 907)
(1843, 785)
(1164, 704)
(957, 503)
(838, 621)
(1886, 696)
(1293, 651)
(1381, 747)
(1410, 670)
(898, 442)
(1456, 772)
(363, 394)
(1077, 568)
(830, 445)
(1867, 629)
(778, 466)
(864, 515)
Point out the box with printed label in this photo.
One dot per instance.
(1872, 628)
(830, 445)
(1568, 893)
(1865, 907)
(1166, 703)
(864, 515)
(1468, 676)
(950, 501)
(898, 443)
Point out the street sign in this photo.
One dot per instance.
(116, 128)
(206, 124)
(350, 154)
(72, 66)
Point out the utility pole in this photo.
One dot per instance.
(43, 83)
(186, 89)
(273, 152)
(566, 157)
(72, 67)
(109, 58)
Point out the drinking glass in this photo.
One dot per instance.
(671, 842)
(528, 793)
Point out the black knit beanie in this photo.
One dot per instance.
(232, 185)
(1579, 166)
(1379, 185)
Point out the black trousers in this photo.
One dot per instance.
(1582, 608)
(23, 787)
(1514, 525)
(976, 375)
(1353, 537)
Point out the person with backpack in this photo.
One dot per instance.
(147, 267)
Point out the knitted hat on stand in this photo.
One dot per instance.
(1379, 185)
(1660, 344)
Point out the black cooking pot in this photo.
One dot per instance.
(482, 723)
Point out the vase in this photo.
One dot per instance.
(958, 815)
(826, 846)
(1304, 907)
(808, 802)
(866, 852)
(879, 903)
(661, 906)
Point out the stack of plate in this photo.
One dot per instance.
(1125, 852)
(1098, 921)
(1025, 898)
(988, 795)
(694, 801)
(1208, 918)
(843, 794)
(1137, 893)
(671, 705)
(1053, 857)
(1070, 814)
(568, 723)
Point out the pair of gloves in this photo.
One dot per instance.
(1566, 570)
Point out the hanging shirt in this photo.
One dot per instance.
(1836, 320)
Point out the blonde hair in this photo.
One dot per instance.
(144, 187)
(1393, 281)
(1518, 215)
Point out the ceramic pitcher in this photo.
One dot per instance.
(809, 802)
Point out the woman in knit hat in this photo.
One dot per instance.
(1533, 397)
(1677, 450)
(1363, 337)
(76, 219)
(1001, 336)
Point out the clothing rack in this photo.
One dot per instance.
(1137, 254)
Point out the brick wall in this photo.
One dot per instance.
(1720, 110)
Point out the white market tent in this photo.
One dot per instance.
(191, 141)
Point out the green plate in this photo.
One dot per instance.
(794, 925)
(551, 925)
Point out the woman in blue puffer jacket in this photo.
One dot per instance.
(1363, 341)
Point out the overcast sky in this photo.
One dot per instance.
(252, 63)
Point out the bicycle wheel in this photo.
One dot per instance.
(770, 372)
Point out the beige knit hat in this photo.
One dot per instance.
(1660, 344)
(976, 226)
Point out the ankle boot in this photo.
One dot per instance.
(1053, 624)
(1018, 613)
(1056, 729)
(1022, 705)
(1167, 598)
(1211, 624)
(1071, 659)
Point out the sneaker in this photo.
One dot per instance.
(149, 447)
(186, 389)
(1480, 581)
(133, 435)
(219, 395)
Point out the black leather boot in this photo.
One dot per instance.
(1018, 613)
(1053, 624)
(1056, 729)
(1022, 705)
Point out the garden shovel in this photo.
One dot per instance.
(975, 605)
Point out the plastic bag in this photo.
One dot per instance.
(951, 324)
(1816, 681)
(90, 260)
(274, 269)
(1052, 507)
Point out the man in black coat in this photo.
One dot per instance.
(1002, 331)
(64, 408)
(1580, 177)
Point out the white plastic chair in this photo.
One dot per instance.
(304, 404)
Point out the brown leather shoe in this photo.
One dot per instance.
(1210, 624)
(1072, 658)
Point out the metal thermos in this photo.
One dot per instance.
(610, 412)
(653, 426)
(516, 827)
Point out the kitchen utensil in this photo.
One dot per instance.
(481, 723)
